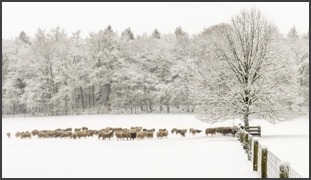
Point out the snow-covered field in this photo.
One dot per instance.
(190, 156)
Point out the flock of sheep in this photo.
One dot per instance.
(120, 133)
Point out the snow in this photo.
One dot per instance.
(175, 156)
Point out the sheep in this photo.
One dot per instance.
(140, 135)
(50, 134)
(25, 135)
(194, 131)
(81, 134)
(159, 134)
(118, 134)
(228, 130)
(8, 134)
(174, 130)
(116, 129)
(34, 132)
(77, 129)
(126, 134)
(66, 134)
(150, 134)
(42, 134)
(68, 129)
(165, 133)
(105, 134)
(211, 131)
(73, 136)
(162, 133)
(58, 133)
(133, 134)
(17, 134)
(182, 132)
(84, 128)
(90, 132)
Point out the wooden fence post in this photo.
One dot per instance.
(264, 160)
(255, 159)
(284, 170)
(250, 139)
(242, 137)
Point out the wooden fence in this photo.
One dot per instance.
(267, 164)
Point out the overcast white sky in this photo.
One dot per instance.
(142, 17)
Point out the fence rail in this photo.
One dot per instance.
(273, 166)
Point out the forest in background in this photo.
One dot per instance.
(58, 73)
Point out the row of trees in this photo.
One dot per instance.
(245, 67)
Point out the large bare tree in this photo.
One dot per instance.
(245, 73)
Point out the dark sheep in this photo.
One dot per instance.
(68, 129)
(133, 135)
(34, 132)
(211, 131)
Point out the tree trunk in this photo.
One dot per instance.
(76, 99)
(108, 96)
(93, 96)
(66, 105)
(150, 107)
(188, 108)
(168, 108)
(246, 114)
(82, 100)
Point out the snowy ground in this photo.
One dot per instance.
(191, 156)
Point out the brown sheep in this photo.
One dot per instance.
(50, 134)
(126, 134)
(140, 134)
(73, 136)
(81, 134)
(105, 134)
(66, 134)
(58, 133)
(165, 133)
(159, 134)
(42, 134)
(150, 134)
(162, 133)
(118, 134)
(8, 134)
(25, 135)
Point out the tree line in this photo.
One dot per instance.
(226, 68)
